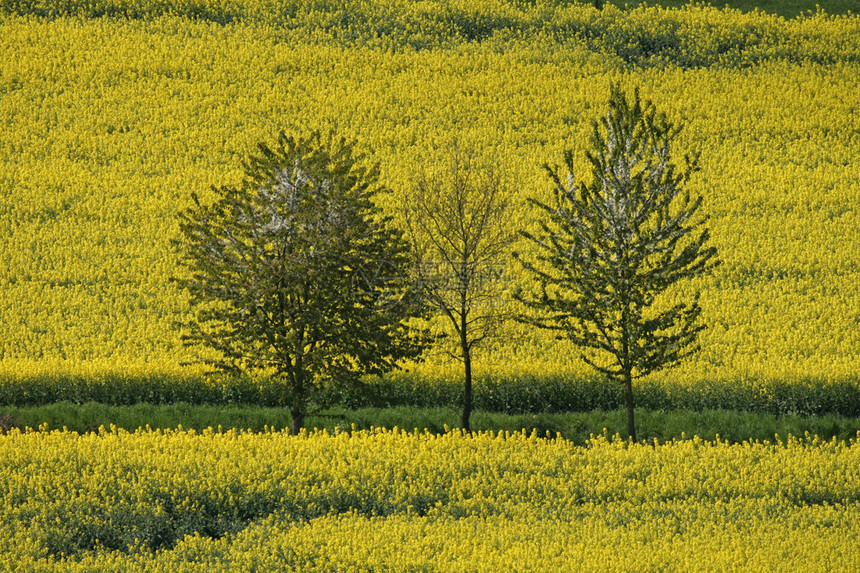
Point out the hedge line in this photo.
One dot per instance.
(512, 395)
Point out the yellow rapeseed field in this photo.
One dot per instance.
(408, 501)
(112, 112)
(108, 124)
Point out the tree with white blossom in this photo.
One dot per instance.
(296, 274)
(610, 250)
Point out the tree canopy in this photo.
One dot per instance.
(296, 274)
(610, 248)
(458, 221)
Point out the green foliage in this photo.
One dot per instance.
(609, 249)
(296, 274)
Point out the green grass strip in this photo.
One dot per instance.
(576, 426)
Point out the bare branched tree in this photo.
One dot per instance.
(458, 221)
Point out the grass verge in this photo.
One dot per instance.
(729, 425)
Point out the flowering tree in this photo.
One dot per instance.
(608, 249)
(295, 273)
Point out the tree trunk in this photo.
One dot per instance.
(628, 395)
(626, 364)
(298, 420)
(467, 362)
(297, 411)
(467, 390)
(467, 365)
